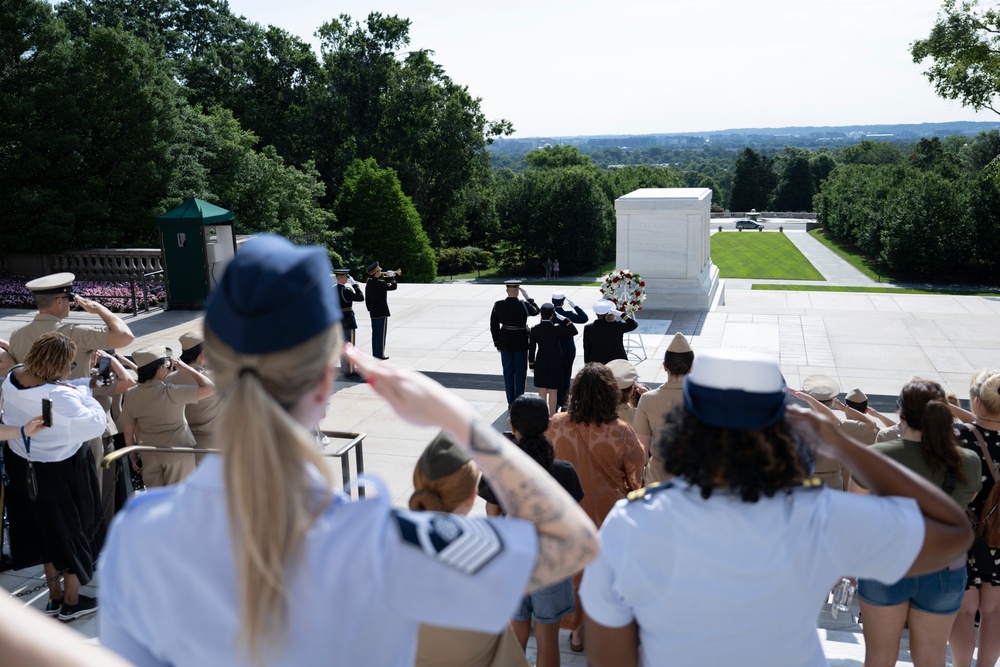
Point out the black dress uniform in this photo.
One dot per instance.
(349, 295)
(509, 327)
(576, 315)
(544, 353)
(376, 290)
(602, 340)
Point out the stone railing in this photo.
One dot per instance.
(97, 264)
(803, 215)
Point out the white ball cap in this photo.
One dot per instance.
(737, 369)
(603, 307)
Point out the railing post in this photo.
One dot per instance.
(131, 280)
(145, 295)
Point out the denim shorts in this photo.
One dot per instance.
(935, 593)
(548, 604)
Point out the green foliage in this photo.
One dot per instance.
(753, 182)
(618, 182)
(964, 48)
(452, 261)
(974, 155)
(769, 256)
(872, 152)
(91, 139)
(555, 157)
(794, 191)
(821, 163)
(383, 222)
(559, 213)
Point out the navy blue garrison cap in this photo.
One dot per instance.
(273, 296)
(735, 389)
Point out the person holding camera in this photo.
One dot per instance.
(53, 502)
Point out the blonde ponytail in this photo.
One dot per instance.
(267, 460)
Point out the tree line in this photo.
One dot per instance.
(113, 111)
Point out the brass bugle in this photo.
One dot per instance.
(393, 274)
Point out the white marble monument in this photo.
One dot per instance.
(663, 235)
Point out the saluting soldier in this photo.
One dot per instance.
(54, 296)
(377, 303)
(576, 315)
(602, 338)
(350, 293)
(509, 328)
(200, 416)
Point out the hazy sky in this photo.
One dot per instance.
(557, 67)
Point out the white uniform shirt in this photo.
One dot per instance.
(723, 582)
(169, 593)
(76, 418)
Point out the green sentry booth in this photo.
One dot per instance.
(198, 241)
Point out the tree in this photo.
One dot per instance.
(964, 48)
(560, 213)
(92, 147)
(619, 182)
(562, 155)
(821, 163)
(753, 182)
(979, 152)
(872, 152)
(382, 222)
(794, 191)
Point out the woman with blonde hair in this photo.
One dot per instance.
(53, 502)
(445, 479)
(255, 559)
(982, 591)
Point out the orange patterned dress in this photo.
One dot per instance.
(609, 461)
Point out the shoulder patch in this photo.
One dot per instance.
(646, 492)
(464, 544)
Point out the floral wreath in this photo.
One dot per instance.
(625, 289)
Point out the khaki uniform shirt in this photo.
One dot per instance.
(158, 409)
(87, 338)
(861, 431)
(201, 415)
(650, 417)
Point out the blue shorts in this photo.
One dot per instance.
(548, 604)
(935, 593)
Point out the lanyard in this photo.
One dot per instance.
(27, 443)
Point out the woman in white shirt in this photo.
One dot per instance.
(53, 501)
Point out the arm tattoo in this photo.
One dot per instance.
(483, 439)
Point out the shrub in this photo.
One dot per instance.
(117, 296)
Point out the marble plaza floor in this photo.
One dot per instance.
(872, 341)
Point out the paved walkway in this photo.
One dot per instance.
(873, 341)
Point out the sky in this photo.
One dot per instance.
(589, 67)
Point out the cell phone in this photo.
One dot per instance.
(47, 412)
(104, 367)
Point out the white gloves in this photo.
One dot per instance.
(523, 293)
(559, 316)
(571, 304)
(351, 280)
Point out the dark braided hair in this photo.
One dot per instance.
(750, 463)
(529, 416)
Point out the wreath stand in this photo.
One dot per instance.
(633, 349)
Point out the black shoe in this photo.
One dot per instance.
(353, 377)
(53, 607)
(84, 606)
(383, 358)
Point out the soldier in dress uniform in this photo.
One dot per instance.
(576, 315)
(602, 338)
(509, 328)
(200, 416)
(350, 293)
(378, 306)
(54, 296)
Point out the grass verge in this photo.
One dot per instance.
(868, 290)
(760, 256)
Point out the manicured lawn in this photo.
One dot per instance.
(761, 256)
(868, 290)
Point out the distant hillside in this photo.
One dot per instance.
(758, 137)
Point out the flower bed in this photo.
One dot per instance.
(625, 289)
(117, 296)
